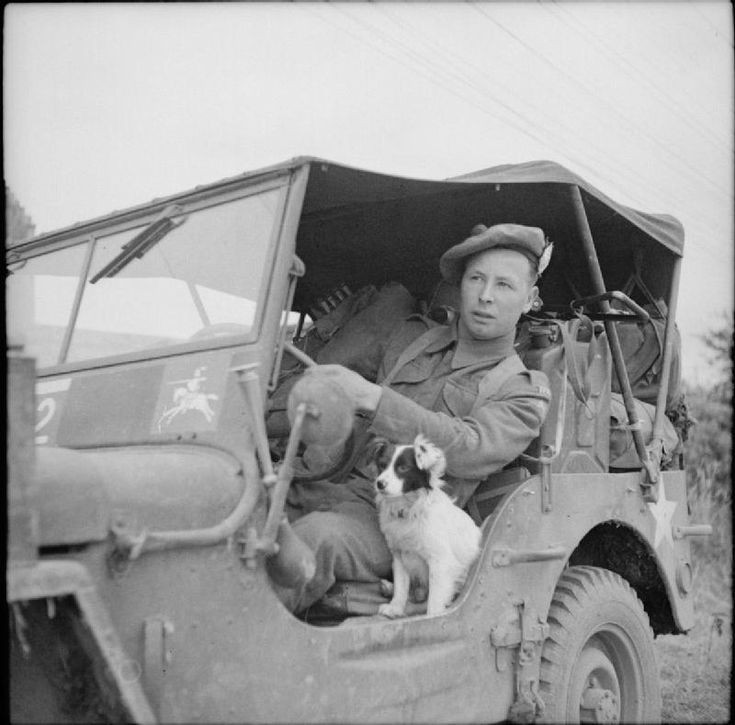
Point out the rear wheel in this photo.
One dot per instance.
(599, 662)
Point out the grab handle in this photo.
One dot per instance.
(634, 307)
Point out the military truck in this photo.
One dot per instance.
(156, 424)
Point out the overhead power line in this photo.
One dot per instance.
(397, 59)
(591, 91)
(434, 68)
(425, 70)
(638, 75)
(441, 54)
(436, 72)
(715, 30)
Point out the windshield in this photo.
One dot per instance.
(202, 279)
(40, 298)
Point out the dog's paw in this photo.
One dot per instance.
(390, 610)
(386, 588)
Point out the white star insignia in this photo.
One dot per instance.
(663, 513)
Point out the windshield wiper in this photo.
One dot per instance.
(142, 243)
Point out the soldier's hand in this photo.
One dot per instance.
(364, 394)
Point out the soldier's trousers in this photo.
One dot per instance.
(339, 523)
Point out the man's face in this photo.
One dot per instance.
(496, 289)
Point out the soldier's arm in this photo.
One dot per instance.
(496, 431)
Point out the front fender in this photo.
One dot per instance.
(520, 529)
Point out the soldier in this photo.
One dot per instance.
(461, 385)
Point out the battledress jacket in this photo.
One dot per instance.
(439, 391)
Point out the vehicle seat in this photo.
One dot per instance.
(352, 598)
(492, 489)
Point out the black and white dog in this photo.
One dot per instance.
(432, 540)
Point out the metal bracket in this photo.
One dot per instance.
(548, 455)
(545, 463)
(502, 556)
(126, 539)
(157, 656)
(550, 452)
(528, 631)
(249, 547)
(649, 486)
(681, 532)
(651, 470)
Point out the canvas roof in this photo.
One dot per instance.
(664, 228)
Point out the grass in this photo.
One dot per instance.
(696, 668)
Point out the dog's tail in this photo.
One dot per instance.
(429, 458)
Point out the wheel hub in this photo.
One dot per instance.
(599, 705)
(598, 688)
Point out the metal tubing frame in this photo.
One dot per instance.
(249, 382)
(503, 556)
(276, 484)
(297, 270)
(634, 307)
(284, 477)
(136, 544)
(77, 303)
(546, 458)
(650, 467)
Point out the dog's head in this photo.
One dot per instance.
(408, 468)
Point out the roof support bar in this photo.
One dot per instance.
(650, 467)
(658, 422)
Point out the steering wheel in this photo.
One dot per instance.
(350, 448)
(219, 329)
(349, 451)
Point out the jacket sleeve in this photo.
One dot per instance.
(496, 430)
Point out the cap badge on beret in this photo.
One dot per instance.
(529, 241)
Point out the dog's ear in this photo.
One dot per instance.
(428, 456)
(377, 451)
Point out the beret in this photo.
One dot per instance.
(529, 241)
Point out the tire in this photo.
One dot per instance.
(598, 663)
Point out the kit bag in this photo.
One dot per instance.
(623, 455)
(358, 340)
(354, 334)
(642, 344)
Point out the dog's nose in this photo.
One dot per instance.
(380, 484)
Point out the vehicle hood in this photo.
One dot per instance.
(78, 494)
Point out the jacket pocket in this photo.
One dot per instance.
(458, 399)
(414, 371)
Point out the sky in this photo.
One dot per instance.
(111, 105)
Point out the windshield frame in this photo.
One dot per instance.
(85, 235)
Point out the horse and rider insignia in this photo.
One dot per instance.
(191, 403)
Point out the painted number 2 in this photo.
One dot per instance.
(46, 409)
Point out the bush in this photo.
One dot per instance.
(695, 670)
(708, 456)
(708, 451)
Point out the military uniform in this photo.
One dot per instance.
(439, 389)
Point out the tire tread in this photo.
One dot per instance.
(577, 589)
